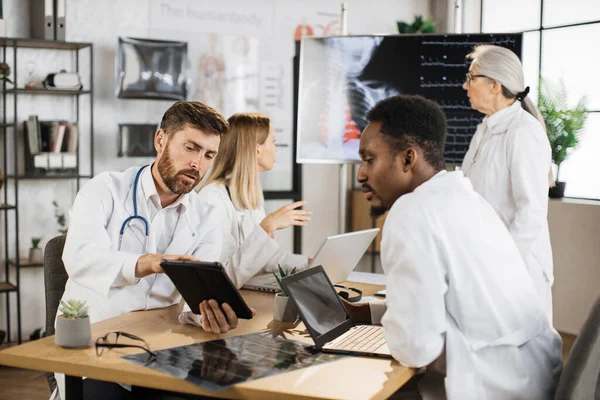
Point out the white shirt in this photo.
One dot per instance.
(458, 294)
(508, 162)
(247, 248)
(104, 276)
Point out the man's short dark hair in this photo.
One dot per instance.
(408, 120)
(196, 114)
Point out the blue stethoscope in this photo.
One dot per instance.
(135, 212)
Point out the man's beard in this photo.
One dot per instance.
(167, 172)
(378, 211)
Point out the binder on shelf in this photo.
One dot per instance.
(60, 20)
(41, 19)
(54, 161)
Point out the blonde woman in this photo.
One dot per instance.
(233, 188)
(509, 158)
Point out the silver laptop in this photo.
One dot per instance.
(338, 254)
(327, 320)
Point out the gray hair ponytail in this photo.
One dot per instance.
(502, 65)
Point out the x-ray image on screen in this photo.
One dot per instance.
(151, 69)
(336, 93)
(342, 78)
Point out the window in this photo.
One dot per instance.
(572, 54)
(580, 170)
(563, 12)
(501, 16)
(569, 51)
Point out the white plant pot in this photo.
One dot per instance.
(284, 310)
(73, 333)
(36, 255)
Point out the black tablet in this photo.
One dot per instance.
(198, 281)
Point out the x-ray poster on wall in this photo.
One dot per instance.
(241, 61)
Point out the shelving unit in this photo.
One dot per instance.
(48, 92)
(13, 263)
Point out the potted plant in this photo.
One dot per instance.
(73, 325)
(419, 25)
(563, 126)
(284, 310)
(5, 72)
(35, 253)
(61, 219)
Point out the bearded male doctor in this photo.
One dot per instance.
(459, 298)
(122, 224)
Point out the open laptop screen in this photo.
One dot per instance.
(317, 301)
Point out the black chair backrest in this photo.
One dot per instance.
(580, 379)
(55, 279)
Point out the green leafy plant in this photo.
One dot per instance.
(35, 242)
(563, 125)
(61, 219)
(419, 25)
(5, 72)
(283, 274)
(74, 309)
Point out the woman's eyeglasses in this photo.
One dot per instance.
(469, 77)
(110, 341)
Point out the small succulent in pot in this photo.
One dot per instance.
(284, 310)
(36, 255)
(73, 325)
(73, 309)
(282, 274)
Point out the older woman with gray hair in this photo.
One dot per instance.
(509, 158)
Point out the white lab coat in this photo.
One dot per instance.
(105, 277)
(247, 248)
(508, 162)
(459, 296)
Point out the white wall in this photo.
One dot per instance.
(575, 236)
(101, 22)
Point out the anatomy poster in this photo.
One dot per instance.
(242, 61)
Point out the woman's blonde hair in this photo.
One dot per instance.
(236, 165)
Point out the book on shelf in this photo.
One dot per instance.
(50, 136)
(49, 145)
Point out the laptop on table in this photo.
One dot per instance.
(327, 320)
(338, 254)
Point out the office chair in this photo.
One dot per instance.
(580, 378)
(55, 279)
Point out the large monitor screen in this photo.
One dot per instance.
(341, 78)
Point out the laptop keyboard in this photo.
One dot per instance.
(362, 338)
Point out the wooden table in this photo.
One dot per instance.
(349, 378)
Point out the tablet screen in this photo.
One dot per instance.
(198, 281)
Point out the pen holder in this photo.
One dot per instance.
(284, 310)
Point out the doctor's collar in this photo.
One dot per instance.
(498, 122)
(150, 193)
